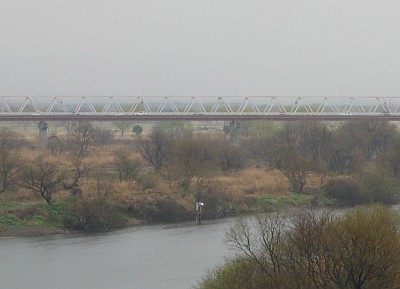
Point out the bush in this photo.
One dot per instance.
(128, 169)
(346, 191)
(216, 202)
(85, 214)
(359, 249)
(382, 189)
(232, 158)
(389, 194)
(148, 181)
(162, 211)
(227, 277)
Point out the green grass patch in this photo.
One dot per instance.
(30, 214)
(10, 220)
(40, 221)
(10, 205)
(58, 210)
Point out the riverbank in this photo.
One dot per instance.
(30, 232)
(35, 218)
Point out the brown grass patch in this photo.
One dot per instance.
(20, 195)
(254, 181)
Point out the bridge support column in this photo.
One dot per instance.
(233, 131)
(42, 126)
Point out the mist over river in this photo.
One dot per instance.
(146, 257)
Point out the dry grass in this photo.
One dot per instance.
(246, 187)
(316, 180)
(20, 195)
(124, 193)
(254, 181)
(104, 156)
(250, 183)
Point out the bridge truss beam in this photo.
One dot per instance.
(211, 106)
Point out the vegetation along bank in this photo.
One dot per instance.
(102, 176)
(359, 249)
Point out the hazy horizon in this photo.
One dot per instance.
(199, 47)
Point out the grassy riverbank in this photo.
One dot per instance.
(250, 191)
(118, 204)
(89, 179)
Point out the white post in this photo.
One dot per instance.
(198, 212)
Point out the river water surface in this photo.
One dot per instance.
(148, 257)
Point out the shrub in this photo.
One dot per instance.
(227, 277)
(163, 211)
(232, 158)
(86, 214)
(128, 169)
(148, 181)
(216, 202)
(359, 249)
(346, 191)
(382, 189)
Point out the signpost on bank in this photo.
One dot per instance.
(199, 205)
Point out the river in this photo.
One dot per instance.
(146, 257)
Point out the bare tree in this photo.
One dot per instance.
(8, 138)
(9, 156)
(82, 136)
(360, 250)
(42, 177)
(154, 148)
(10, 163)
(358, 141)
(103, 136)
(231, 157)
(68, 125)
(123, 126)
(80, 170)
(128, 169)
(54, 144)
(191, 159)
(293, 165)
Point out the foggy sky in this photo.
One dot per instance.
(199, 47)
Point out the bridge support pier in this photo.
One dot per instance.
(42, 127)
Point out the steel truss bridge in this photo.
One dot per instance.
(147, 108)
